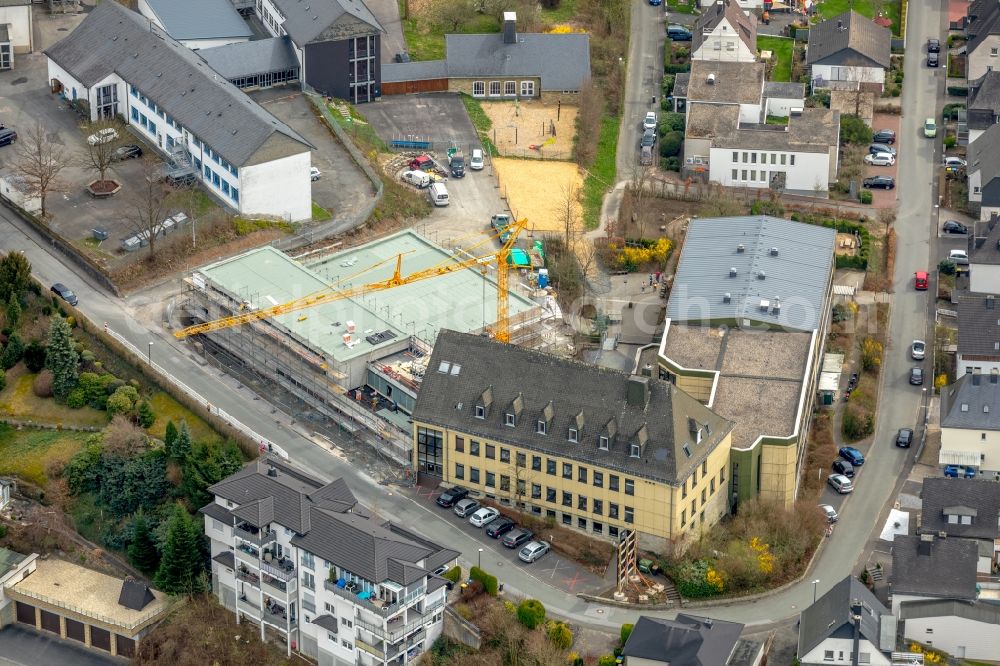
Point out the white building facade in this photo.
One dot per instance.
(16, 15)
(756, 168)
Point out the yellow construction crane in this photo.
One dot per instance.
(332, 293)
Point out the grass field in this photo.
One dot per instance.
(168, 409)
(830, 8)
(18, 401)
(27, 453)
(781, 54)
(602, 175)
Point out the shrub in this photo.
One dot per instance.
(671, 122)
(854, 130)
(13, 352)
(958, 91)
(667, 85)
(145, 415)
(121, 402)
(34, 356)
(671, 144)
(940, 381)
(871, 354)
(472, 590)
(42, 386)
(454, 574)
(676, 69)
(531, 613)
(950, 111)
(3, 379)
(560, 635)
(857, 423)
(670, 164)
(607, 660)
(950, 141)
(624, 633)
(489, 582)
(865, 196)
(76, 398)
(946, 267)
(770, 207)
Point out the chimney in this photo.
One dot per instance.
(741, 248)
(856, 617)
(271, 471)
(976, 378)
(510, 28)
(637, 391)
(924, 545)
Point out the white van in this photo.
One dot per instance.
(438, 194)
(418, 179)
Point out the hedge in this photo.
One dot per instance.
(489, 582)
(531, 613)
(672, 68)
(858, 261)
(454, 574)
(958, 91)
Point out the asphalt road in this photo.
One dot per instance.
(644, 74)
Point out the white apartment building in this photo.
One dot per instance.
(115, 66)
(301, 559)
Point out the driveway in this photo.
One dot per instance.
(23, 647)
(387, 13)
(645, 74)
(904, 145)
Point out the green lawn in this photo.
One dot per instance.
(601, 175)
(425, 41)
(564, 13)
(28, 453)
(683, 6)
(781, 55)
(319, 213)
(18, 401)
(830, 8)
(168, 409)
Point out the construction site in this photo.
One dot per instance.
(349, 333)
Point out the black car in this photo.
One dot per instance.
(932, 59)
(65, 293)
(877, 148)
(678, 33)
(843, 467)
(402, 57)
(954, 227)
(917, 376)
(648, 138)
(884, 136)
(904, 437)
(451, 496)
(127, 152)
(500, 526)
(7, 136)
(885, 182)
(933, 46)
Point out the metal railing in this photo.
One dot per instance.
(277, 587)
(367, 604)
(369, 648)
(116, 622)
(258, 539)
(248, 577)
(277, 572)
(390, 634)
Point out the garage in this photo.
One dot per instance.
(25, 613)
(50, 622)
(125, 646)
(407, 78)
(100, 638)
(75, 630)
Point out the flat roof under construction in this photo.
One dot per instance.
(266, 277)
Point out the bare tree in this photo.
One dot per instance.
(451, 14)
(102, 144)
(640, 193)
(39, 162)
(568, 212)
(148, 205)
(521, 476)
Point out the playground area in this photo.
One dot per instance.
(537, 189)
(532, 129)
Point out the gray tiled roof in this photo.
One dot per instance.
(258, 513)
(831, 615)
(849, 39)
(984, 155)
(464, 368)
(984, 612)
(307, 21)
(681, 80)
(799, 276)
(815, 130)
(226, 558)
(942, 495)
(328, 622)
(134, 595)
(417, 70)
(974, 400)
(561, 61)
(943, 568)
(219, 512)
(113, 39)
(978, 326)
(987, 92)
(248, 58)
(784, 90)
(200, 19)
(985, 23)
(734, 82)
(743, 22)
(688, 640)
(986, 247)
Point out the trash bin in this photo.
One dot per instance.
(100, 233)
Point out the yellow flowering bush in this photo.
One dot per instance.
(765, 558)
(714, 578)
(631, 257)
(563, 29)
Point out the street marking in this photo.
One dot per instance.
(571, 582)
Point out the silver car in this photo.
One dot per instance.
(917, 350)
(466, 507)
(533, 551)
(840, 483)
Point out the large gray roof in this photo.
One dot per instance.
(722, 82)
(942, 496)
(247, 58)
(689, 640)
(561, 61)
(308, 20)
(973, 401)
(799, 275)
(417, 70)
(926, 566)
(987, 92)
(113, 39)
(979, 325)
(986, 246)
(830, 616)
(984, 155)
(200, 19)
(987, 613)
(463, 370)
(984, 23)
(851, 40)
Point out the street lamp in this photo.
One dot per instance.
(480, 558)
(149, 353)
(815, 583)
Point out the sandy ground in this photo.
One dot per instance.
(536, 190)
(519, 125)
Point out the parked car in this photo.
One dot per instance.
(456, 163)
(959, 257)
(877, 148)
(952, 161)
(954, 227)
(649, 122)
(7, 136)
(880, 159)
(930, 128)
(840, 483)
(419, 179)
(678, 33)
(645, 155)
(884, 182)
(933, 46)
(920, 280)
(917, 350)
(422, 163)
(904, 437)
(466, 507)
(499, 527)
(476, 160)
(452, 495)
(483, 516)
(402, 57)
(648, 138)
(127, 152)
(102, 136)
(517, 537)
(831, 514)
(533, 551)
(314, 174)
(852, 455)
(958, 471)
(65, 293)
(843, 467)
(932, 60)
(884, 136)
(655, 3)
(917, 376)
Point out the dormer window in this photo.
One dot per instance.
(542, 428)
(572, 435)
(698, 437)
(603, 442)
(510, 420)
(480, 412)
(634, 453)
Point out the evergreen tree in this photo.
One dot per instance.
(34, 356)
(61, 358)
(180, 570)
(15, 271)
(142, 551)
(13, 352)
(182, 445)
(13, 311)
(169, 437)
(145, 414)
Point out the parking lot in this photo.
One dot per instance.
(882, 198)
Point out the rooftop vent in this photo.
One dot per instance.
(765, 305)
(774, 252)
(727, 297)
(710, 79)
(776, 306)
(761, 275)
(732, 271)
(740, 249)
(271, 471)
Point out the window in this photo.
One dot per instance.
(567, 471)
(460, 444)
(459, 471)
(235, 194)
(473, 448)
(505, 483)
(429, 450)
(694, 477)
(745, 160)
(791, 160)
(491, 452)
(993, 52)
(774, 158)
(542, 428)
(598, 479)
(684, 490)
(491, 480)
(634, 451)
(753, 174)
(827, 655)
(711, 486)
(736, 174)
(612, 510)
(550, 466)
(480, 412)
(308, 560)
(347, 645)
(509, 420)
(536, 463)
(331, 637)
(722, 476)
(704, 468)
(135, 118)
(629, 487)
(612, 531)
(308, 580)
(782, 158)
(536, 491)
(703, 493)
(581, 474)
(567, 498)
(629, 514)
(527, 88)
(494, 88)
(736, 158)
(510, 88)
(744, 174)
(474, 474)
(567, 519)
(215, 176)
(581, 523)
(612, 482)
(522, 459)
(753, 158)
(225, 188)
(581, 502)
(572, 435)
(550, 495)
(976, 190)
(684, 519)
(603, 443)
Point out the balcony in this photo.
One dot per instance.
(276, 586)
(248, 555)
(376, 606)
(393, 632)
(369, 648)
(254, 536)
(249, 607)
(244, 574)
(276, 615)
(283, 570)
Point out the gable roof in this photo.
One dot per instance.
(679, 431)
(978, 326)
(799, 276)
(200, 19)
(942, 495)
(987, 613)
(984, 155)
(831, 615)
(974, 400)
(987, 91)
(562, 62)
(688, 640)
(135, 595)
(927, 566)
(986, 243)
(246, 58)
(112, 39)
(984, 23)
(305, 21)
(742, 22)
(849, 39)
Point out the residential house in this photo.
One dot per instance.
(983, 46)
(930, 567)
(115, 65)
(13, 567)
(848, 52)
(847, 615)
(984, 106)
(984, 258)
(725, 32)
(16, 30)
(966, 509)
(504, 65)
(689, 640)
(197, 24)
(963, 629)
(299, 557)
(970, 417)
(637, 454)
(336, 42)
(6, 49)
(984, 170)
(978, 336)
(746, 322)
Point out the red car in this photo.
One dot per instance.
(920, 280)
(422, 163)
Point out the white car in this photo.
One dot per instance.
(476, 161)
(102, 136)
(952, 161)
(484, 516)
(959, 257)
(314, 174)
(917, 350)
(829, 512)
(649, 122)
(533, 550)
(881, 159)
